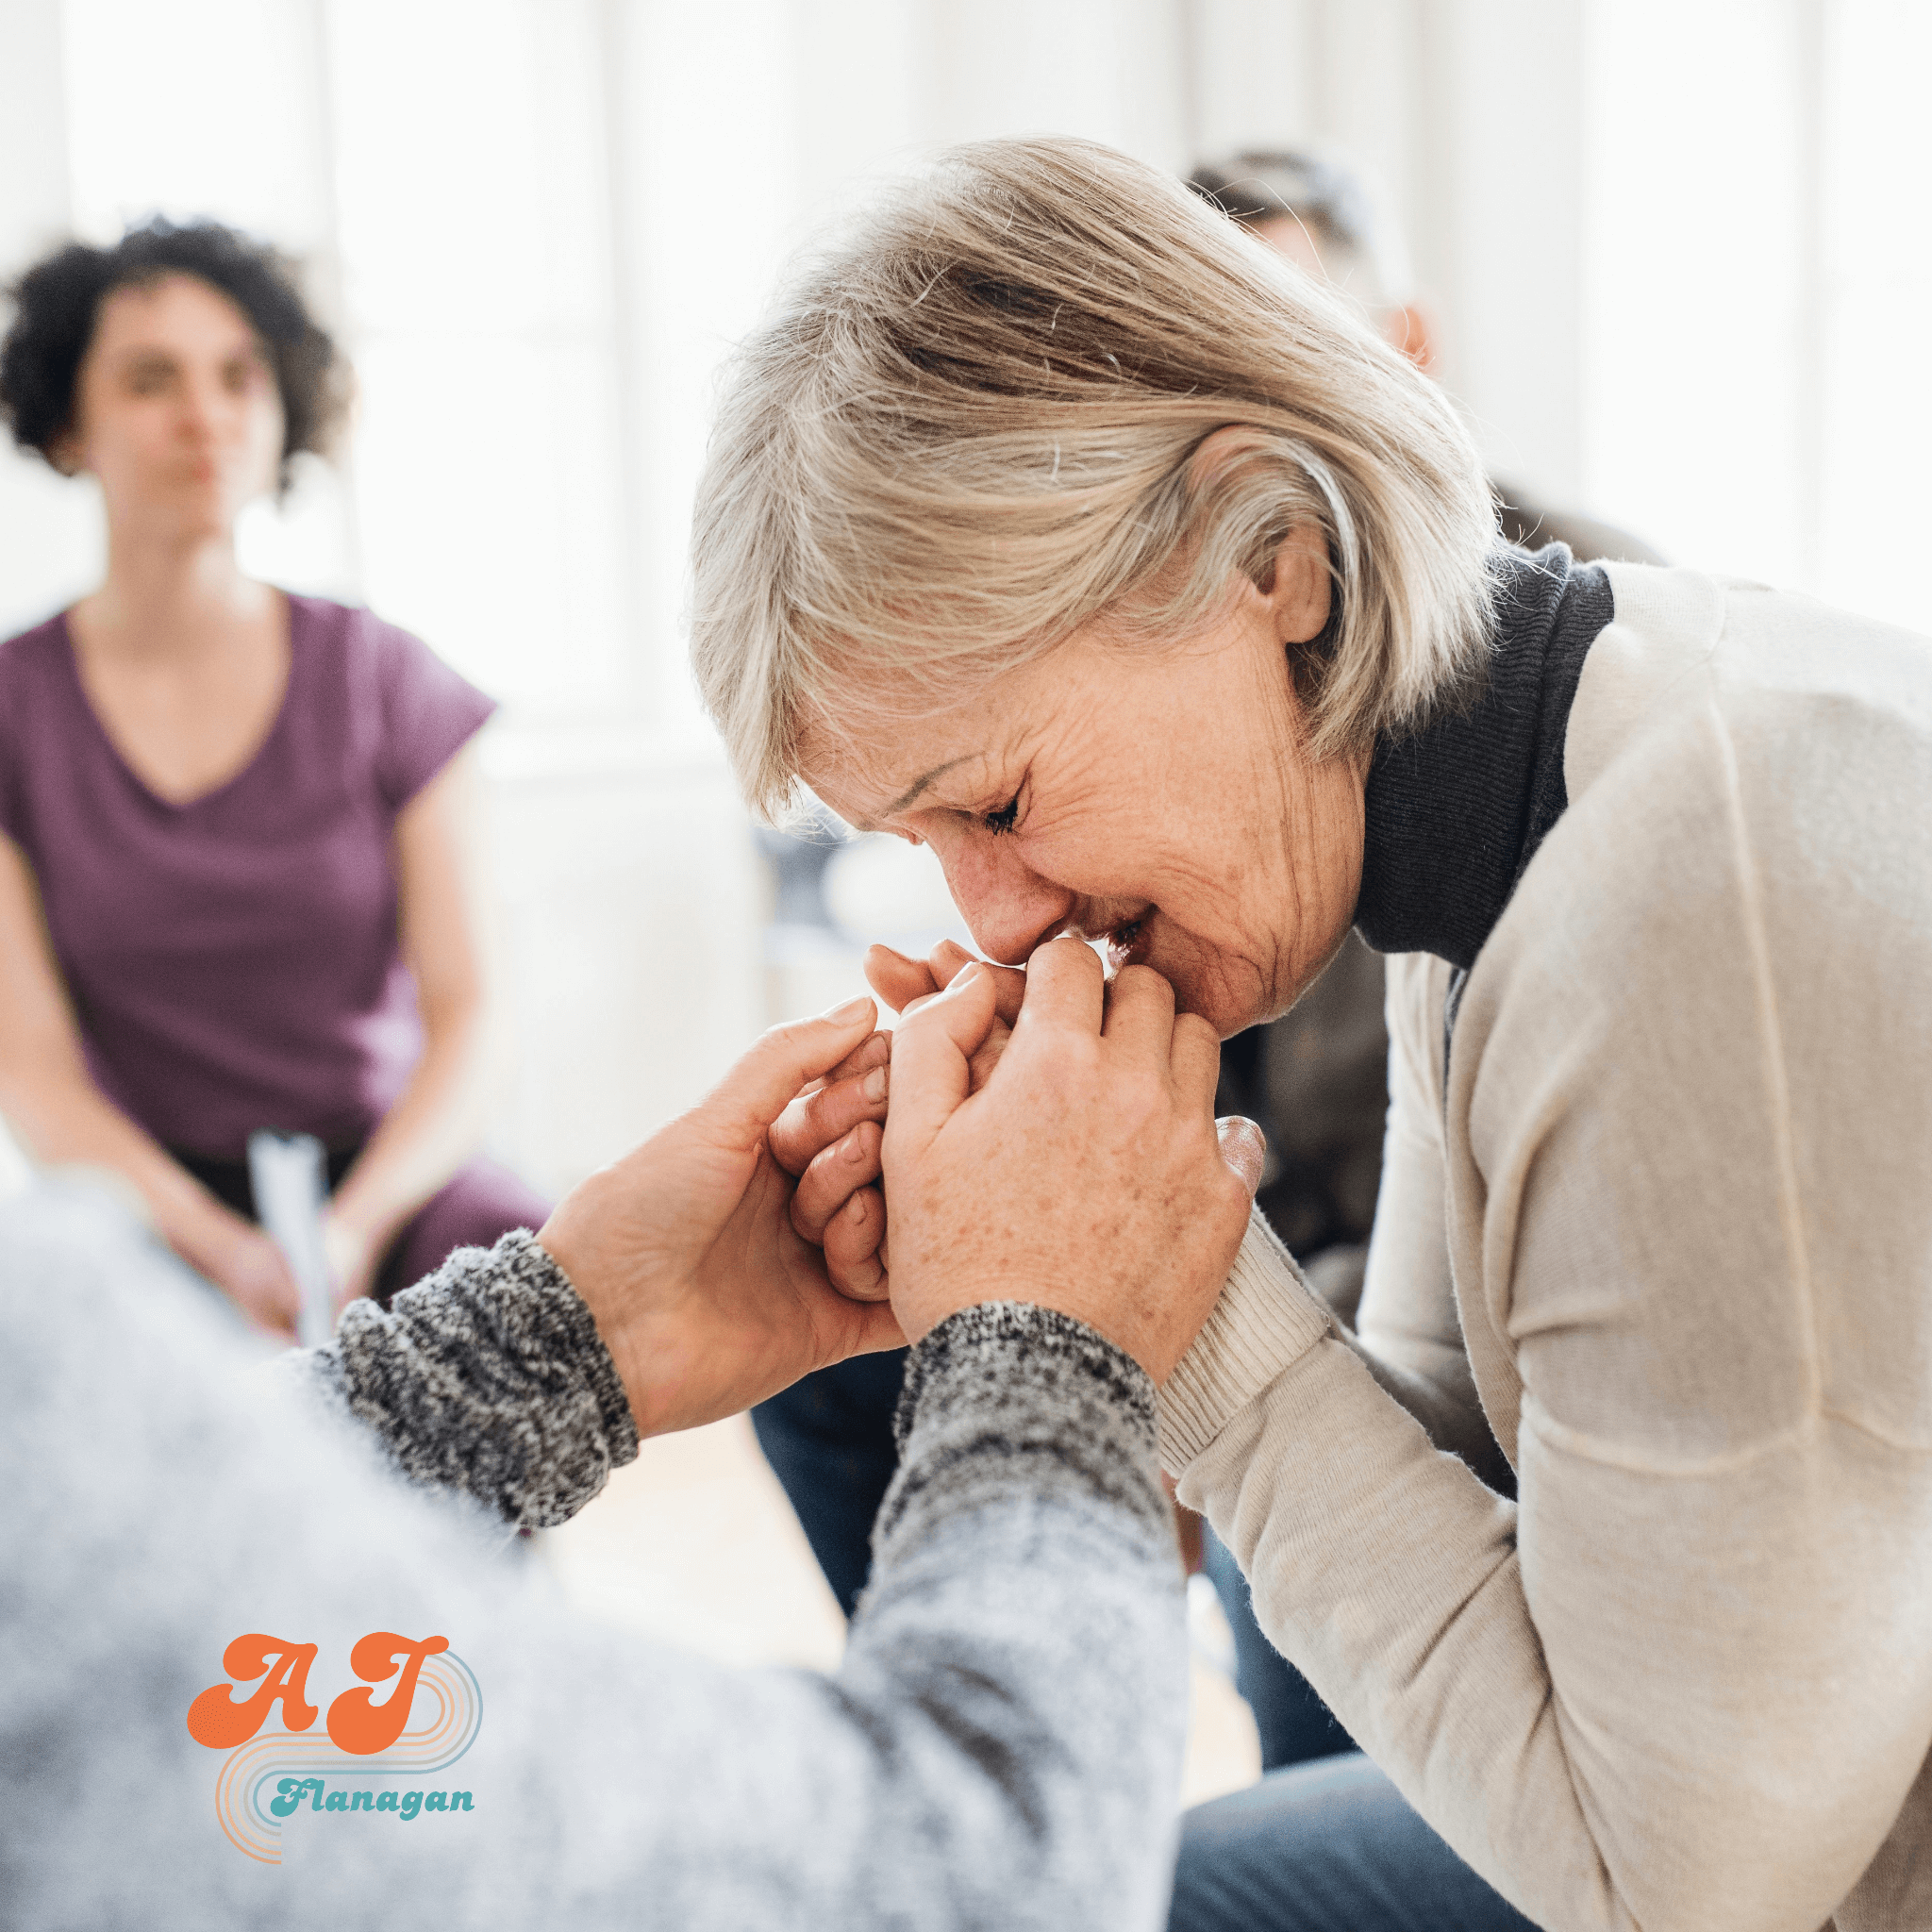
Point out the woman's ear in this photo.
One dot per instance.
(1303, 587)
(1298, 592)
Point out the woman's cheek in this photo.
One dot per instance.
(1224, 988)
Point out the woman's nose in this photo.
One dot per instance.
(196, 418)
(204, 407)
(1008, 908)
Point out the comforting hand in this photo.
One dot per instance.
(839, 1205)
(1087, 1175)
(903, 983)
(829, 1138)
(707, 1297)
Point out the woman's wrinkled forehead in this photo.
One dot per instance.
(872, 761)
(869, 770)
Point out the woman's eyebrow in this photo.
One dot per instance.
(907, 797)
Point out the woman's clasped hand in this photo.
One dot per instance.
(1059, 1186)
(1051, 1139)
(1086, 1174)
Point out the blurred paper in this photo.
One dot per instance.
(289, 1173)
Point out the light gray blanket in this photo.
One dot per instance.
(1000, 1748)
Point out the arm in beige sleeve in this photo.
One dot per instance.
(1687, 1686)
(1407, 1329)
(1407, 1334)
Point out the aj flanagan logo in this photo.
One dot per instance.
(366, 1739)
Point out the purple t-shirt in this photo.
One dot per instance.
(235, 961)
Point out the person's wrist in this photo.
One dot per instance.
(1005, 1399)
(628, 1356)
(1155, 1354)
(1265, 1319)
(615, 1310)
(350, 1250)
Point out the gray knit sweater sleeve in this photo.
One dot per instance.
(488, 1376)
(1007, 1394)
(1000, 1746)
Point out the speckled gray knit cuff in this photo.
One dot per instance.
(488, 1376)
(1006, 1399)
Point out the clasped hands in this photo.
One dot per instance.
(1043, 1136)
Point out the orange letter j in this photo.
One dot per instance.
(355, 1721)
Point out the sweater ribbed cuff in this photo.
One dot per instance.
(488, 1376)
(1267, 1318)
(1006, 1400)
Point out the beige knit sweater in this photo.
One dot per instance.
(1684, 1162)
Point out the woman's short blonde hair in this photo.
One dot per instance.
(966, 429)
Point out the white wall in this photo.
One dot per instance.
(1691, 326)
(1671, 250)
(49, 544)
(1462, 114)
(629, 917)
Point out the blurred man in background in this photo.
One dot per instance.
(1322, 217)
(1315, 1077)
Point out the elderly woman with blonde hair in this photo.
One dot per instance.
(1053, 523)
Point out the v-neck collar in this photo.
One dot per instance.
(70, 656)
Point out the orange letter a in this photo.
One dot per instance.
(355, 1721)
(216, 1720)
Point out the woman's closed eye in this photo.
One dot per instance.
(1002, 820)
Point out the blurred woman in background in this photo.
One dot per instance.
(238, 877)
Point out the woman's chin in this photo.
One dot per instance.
(1229, 999)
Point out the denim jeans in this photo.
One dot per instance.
(828, 1438)
(1328, 1846)
(1294, 1724)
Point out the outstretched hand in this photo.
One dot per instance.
(707, 1295)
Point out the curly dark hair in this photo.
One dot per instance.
(58, 302)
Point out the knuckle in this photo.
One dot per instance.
(1193, 1030)
(1067, 953)
(785, 1036)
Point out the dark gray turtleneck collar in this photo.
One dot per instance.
(1455, 810)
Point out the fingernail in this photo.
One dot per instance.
(844, 1016)
(856, 1207)
(855, 1146)
(875, 1088)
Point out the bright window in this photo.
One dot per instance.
(1755, 281)
(460, 229)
